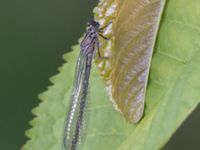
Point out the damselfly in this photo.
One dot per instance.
(74, 128)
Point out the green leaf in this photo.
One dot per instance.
(172, 93)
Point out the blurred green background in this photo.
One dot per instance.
(33, 37)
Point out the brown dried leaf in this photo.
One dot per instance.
(134, 30)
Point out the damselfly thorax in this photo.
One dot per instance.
(91, 38)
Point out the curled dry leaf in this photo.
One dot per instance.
(134, 29)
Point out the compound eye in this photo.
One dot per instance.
(89, 29)
(97, 24)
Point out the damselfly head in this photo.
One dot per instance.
(93, 24)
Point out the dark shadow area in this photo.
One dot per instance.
(187, 137)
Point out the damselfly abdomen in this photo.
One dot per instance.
(74, 128)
